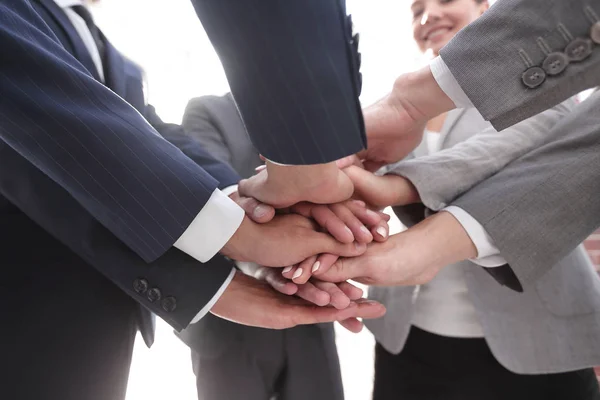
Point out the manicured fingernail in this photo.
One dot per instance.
(287, 269)
(316, 266)
(381, 232)
(297, 273)
(364, 230)
(348, 230)
(260, 211)
(260, 168)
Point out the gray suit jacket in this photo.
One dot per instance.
(554, 325)
(493, 57)
(208, 119)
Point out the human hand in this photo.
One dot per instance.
(285, 240)
(286, 185)
(412, 257)
(395, 124)
(248, 301)
(339, 295)
(382, 191)
(254, 209)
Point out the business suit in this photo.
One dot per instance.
(69, 312)
(550, 328)
(232, 361)
(556, 190)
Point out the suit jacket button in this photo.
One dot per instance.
(154, 294)
(533, 77)
(555, 63)
(579, 49)
(595, 32)
(169, 304)
(140, 285)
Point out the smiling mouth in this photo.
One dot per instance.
(436, 33)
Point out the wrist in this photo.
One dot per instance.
(419, 93)
(240, 245)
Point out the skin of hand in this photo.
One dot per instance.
(285, 185)
(395, 124)
(412, 257)
(255, 210)
(285, 240)
(382, 191)
(248, 301)
(336, 219)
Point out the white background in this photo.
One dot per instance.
(166, 38)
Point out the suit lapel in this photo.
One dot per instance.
(451, 119)
(80, 51)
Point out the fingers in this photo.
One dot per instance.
(324, 262)
(338, 298)
(253, 187)
(380, 232)
(352, 324)
(327, 244)
(313, 294)
(347, 217)
(342, 270)
(278, 282)
(332, 223)
(348, 161)
(354, 293)
(302, 273)
(255, 210)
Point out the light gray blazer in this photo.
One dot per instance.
(554, 325)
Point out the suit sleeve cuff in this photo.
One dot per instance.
(215, 298)
(488, 254)
(212, 228)
(449, 84)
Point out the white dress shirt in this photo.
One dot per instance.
(488, 254)
(220, 217)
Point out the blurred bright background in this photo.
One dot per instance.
(167, 40)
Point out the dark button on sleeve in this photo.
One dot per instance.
(555, 63)
(579, 49)
(533, 77)
(169, 304)
(154, 294)
(595, 33)
(140, 285)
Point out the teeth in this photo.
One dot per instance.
(437, 32)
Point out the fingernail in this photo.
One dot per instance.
(381, 232)
(287, 269)
(316, 266)
(260, 211)
(348, 230)
(260, 168)
(359, 202)
(364, 230)
(297, 273)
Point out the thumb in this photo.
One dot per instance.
(373, 189)
(343, 270)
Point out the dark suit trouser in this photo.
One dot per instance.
(432, 367)
(246, 363)
(66, 332)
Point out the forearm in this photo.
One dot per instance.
(442, 177)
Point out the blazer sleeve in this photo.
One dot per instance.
(292, 66)
(544, 204)
(184, 285)
(90, 142)
(443, 176)
(200, 152)
(524, 56)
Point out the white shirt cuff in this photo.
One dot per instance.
(488, 254)
(215, 298)
(229, 190)
(449, 84)
(212, 228)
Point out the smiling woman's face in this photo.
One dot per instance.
(435, 22)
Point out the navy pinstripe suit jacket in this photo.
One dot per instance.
(90, 170)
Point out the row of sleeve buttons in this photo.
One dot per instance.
(555, 63)
(142, 287)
